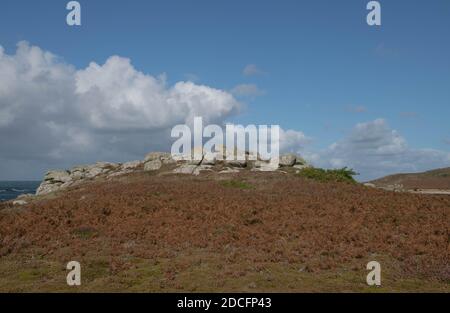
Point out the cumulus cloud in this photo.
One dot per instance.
(252, 70)
(117, 96)
(53, 114)
(247, 90)
(375, 150)
(293, 141)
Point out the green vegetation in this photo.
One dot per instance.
(85, 232)
(199, 270)
(337, 175)
(236, 184)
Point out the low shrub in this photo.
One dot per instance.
(335, 175)
(236, 184)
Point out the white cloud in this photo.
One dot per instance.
(374, 150)
(127, 99)
(247, 90)
(293, 141)
(252, 70)
(52, 113)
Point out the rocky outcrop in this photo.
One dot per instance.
(132, 165)
(59, 179)
(155, 160)
(288, 160)
(164, 162)
(185, 169)
(153, 165)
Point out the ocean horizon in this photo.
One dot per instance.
(12, 189)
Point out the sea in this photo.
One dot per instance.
(12, 189)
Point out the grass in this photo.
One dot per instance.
(344, 175)
(85, 232)
(236, 184)
(198, 270)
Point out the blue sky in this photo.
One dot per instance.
(321, 69)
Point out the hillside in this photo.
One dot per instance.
(438, 179)
(237, 231)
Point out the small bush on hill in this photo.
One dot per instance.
(336, 175)
(236, 184)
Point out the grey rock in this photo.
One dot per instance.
(210, 159)
(185, 169)
(107, 165)
(236, 163)
(77, 175)
(152, 156)
(152, 165)
(193, 162)
(58, 176)
(167, 159)
(264, 166)
(20, 202)
(288, 160)
(46, 188)
(201, 168)
(120, 173)
(25, 196)
(94, 172)
(300, 161)
(300, 166)
(229, 170)
(131, 165)
(67, 184)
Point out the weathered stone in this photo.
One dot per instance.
(167, 159)
(236, 163)
(263, 166)
(229, 170)
(58, 176)
(20, 202)
(25, 196)
(209, 159)
(131, 165)
(288, 160)
(67, 184)
(300, 166)
(185, 169)
(94, 171)
(77, 175)
(152, 156)
(120, 173)
(201, 168)
(46, 188)
(80, 168)
(106, 165)
(300, 161)
(152, 165)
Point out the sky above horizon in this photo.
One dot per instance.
(376, 99)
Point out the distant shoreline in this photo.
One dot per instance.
(10, 190)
